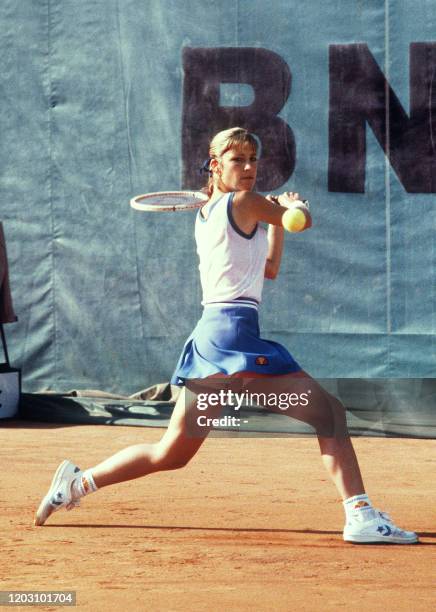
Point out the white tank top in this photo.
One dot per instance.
(232, 263)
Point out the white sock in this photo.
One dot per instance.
(83, 485)
(359, 509)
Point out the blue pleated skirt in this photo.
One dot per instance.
(227, 340)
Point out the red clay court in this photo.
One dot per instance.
(249, 524)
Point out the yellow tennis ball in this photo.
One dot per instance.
(294, 220)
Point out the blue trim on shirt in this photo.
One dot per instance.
(247, 299)
(233, 223)
(239, 301)
(200, 214)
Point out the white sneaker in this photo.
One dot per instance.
(59, 495)
(380, 529)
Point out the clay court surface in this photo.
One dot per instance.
(250, 524)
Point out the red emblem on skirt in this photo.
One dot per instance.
(261, 360)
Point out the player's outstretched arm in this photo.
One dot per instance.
(250, 207)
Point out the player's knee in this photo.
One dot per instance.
(339, 418)
(174, 463)
(331, 421)
(163, 458)
(339, 411)
(177, 464)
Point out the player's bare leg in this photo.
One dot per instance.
(174, 450)
(336, 447)
(177, 446)
(326, 414)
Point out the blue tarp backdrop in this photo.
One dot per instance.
(106, 99)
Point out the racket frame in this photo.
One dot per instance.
(198, 199)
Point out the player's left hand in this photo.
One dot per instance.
(288, 198)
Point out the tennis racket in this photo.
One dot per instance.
(163, 201)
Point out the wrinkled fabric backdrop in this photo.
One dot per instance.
(103, 100)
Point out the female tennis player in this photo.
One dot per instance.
(236, 253)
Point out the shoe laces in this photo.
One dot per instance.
(384, 516)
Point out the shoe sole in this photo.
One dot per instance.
(379, 540)
(45, 507)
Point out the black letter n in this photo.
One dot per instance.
(360, 94)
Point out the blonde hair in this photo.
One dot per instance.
(225, 140)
